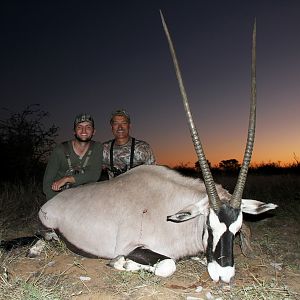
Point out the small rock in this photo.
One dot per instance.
(209, 296)
(202, 261)
(85, 278)
(277, 266)
(199, 289)
(37, 249)
(51, 263)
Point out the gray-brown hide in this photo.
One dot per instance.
(114, 217)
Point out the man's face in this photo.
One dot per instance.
(84, 131)
(120, 127)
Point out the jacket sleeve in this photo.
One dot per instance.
(150, 158)
(51, 173)
(93, 169)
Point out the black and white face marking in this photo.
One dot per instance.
(222, 227)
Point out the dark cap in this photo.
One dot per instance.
(120, 112)
(83, 117)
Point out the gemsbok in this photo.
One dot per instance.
(152, 216)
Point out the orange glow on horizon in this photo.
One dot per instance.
(257, 159)
(269, 147)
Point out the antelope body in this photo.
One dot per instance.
(112, 218)
(151, 216)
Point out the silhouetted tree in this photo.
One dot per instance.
(25, 144)
(197, 165)
(231, 165)
(185, 170)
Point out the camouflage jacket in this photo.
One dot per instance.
(143, 155)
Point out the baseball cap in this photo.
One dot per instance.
(83, 117)
(120, 112)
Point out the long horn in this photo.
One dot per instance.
(213, 196)
(238, 191)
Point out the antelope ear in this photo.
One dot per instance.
(191, 211)
(255, 207)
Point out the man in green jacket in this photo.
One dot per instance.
(74, 162)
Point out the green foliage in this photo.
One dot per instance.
(25, 143)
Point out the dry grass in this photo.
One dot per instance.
(274, 272)
(35, 286)
(18, 207)
(252, 280)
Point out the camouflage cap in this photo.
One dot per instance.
(120, 112)
(83, 117)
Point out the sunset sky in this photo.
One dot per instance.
(98, 56)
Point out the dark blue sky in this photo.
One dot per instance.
(97, 56)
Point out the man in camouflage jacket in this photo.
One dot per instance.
(124, 152)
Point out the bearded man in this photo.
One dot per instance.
(74, 162)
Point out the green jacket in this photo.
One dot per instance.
(57, 167)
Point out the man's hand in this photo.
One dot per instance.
(57, 185)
